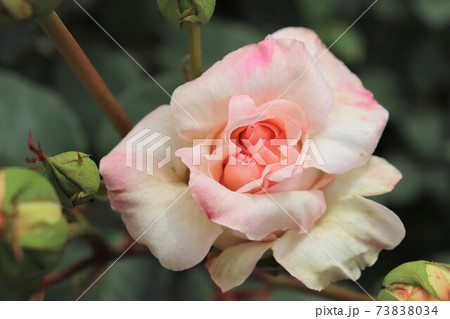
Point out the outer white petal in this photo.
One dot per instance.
(174, 228)
(180, 238)
(350, 235)
(376, 177)
(233, 266)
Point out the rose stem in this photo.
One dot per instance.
(55, 29)
(331, 292)
(195, 46)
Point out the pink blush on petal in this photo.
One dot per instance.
(260, 57)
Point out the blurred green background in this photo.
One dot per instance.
(400, 50)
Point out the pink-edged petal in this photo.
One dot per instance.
(311, 40)
(113, 166)
(345, 240)
(236, 263)
(255, 215)
(376, 177)
(142, 198)
(262, 71)
(166, 219)
(348, 138)
(354, 126)
(301, 179)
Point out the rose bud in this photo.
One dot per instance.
(34, 231)
(75, 177)
(417, 281)
(14, 10)
(187, 13)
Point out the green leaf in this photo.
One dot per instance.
(139, 99)
(26, 107)
(314, 10)
(117, 71)
(385, 88)
(350, 47)
(412, 184)
(434, 13)
(424, 131)
(143, 278)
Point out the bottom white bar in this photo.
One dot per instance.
(226, 310)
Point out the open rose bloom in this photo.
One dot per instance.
(271, 155)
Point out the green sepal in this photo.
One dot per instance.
(187, 13)
(75, 177)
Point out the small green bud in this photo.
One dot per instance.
(33, 229)
(187, 13)
(417, 281)
(14, 10)
(75, 177)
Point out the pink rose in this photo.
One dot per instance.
(294, 131)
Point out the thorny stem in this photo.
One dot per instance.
(55, 29)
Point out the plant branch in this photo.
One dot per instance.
(331, 292)
(196, 52)
(55, 29)
(96, 259)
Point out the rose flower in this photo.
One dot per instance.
(271, 155)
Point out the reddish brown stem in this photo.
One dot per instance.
(331, 292)
(85, 71)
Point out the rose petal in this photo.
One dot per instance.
(262, 71)
(354, 126)
(233, 266)
(347, 139)
(256, 215)
(114, 168)
(182, 237)
(142, 199)
(350, 235)
(376, 177)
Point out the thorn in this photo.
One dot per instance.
(30, 144)
(32, 160)
(38, 151)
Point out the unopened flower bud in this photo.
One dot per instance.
(14, 10)
(417, 281)
(34, 230)
(187, 13)
(75, 177)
